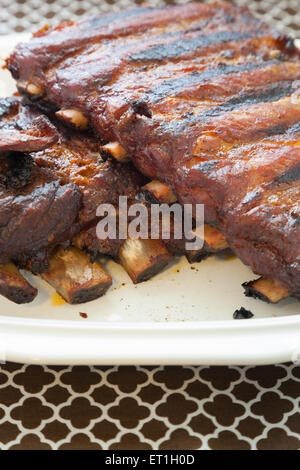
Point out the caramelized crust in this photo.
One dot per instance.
(48, 196)
(76, 159)
(204, 98)
(24, 129)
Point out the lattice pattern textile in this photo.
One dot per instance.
(149, 407)
(29, 15)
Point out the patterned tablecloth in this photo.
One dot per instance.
(149, 407)
(145, 407)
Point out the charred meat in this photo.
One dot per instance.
(49, 200)
(203, 99)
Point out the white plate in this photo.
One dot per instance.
(180, 317)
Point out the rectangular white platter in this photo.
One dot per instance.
(182, 316)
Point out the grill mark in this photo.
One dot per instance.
(273, 93)
(175, 86)
(182, 46)
(289, 176)
(199, 26)
(41, 52)
(177, 35)
(202, 40)
(105, 20)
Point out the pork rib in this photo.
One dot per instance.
(49, 200)
(204, 98)
(37, 210)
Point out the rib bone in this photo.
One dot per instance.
(75, 278)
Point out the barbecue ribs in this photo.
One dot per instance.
(203, 98)
(37, 210)
(48, 201)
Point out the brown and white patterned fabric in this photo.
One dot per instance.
(159, 408)
(146, 407)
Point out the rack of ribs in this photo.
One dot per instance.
(48, 208)
(202, 98)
